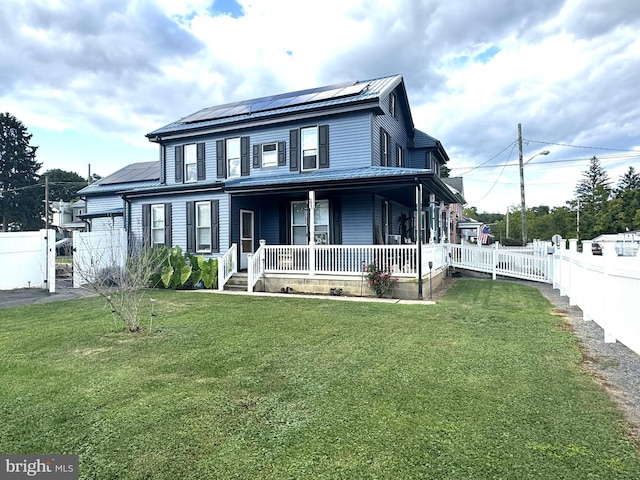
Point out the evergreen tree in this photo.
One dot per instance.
(593, 193)
(21, 198)
(624, 211)
(63, 185)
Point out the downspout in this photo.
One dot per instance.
(419, 235)
(127, 224)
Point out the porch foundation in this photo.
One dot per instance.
(353, 286)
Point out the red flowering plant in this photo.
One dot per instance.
(380, 280)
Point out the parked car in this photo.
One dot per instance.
(596, 248)
(64, 247)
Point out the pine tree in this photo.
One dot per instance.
(20, 200)
(593, 193)
(625, 206)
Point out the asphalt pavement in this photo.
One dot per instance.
(30, 296)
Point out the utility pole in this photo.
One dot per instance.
(522, 203)
(46, 202)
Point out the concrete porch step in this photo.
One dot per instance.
(238, 282)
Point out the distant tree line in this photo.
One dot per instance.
(598, 207)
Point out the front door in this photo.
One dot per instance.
(246, 237)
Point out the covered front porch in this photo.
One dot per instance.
(338, 269)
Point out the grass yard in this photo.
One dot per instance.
(484, 385)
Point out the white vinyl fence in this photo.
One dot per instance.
(606, 288)
(28, 260)
(97, 252)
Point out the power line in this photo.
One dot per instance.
(567, 160)
(512, 144)
(581, 146)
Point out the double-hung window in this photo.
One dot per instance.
(203, 227)
(233, 157)
(400, 155)
(309, 148)
(157, 225)
(190, 163)
(384, 149)
(269, 155)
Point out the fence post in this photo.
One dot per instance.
(494, 266)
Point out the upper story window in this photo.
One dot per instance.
(269, 155)
(189, 162)
(400, 155)
(393, 105)
(233, 157)
(309, 148)
(384, 148)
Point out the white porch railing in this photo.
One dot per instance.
(534, 265)
(401, 260)
(227, 266)
(255, 266)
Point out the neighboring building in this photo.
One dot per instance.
(456, 210)
(66, 217)
(335, 165)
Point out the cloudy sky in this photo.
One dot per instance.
(89, 79)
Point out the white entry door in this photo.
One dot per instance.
(246, 237)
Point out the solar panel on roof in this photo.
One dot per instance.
(273, 102)
(136, 172)
(352, 90)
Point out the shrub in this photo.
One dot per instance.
(380, 281)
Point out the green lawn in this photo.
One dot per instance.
(483, 385)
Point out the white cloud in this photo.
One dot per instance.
(566, 70)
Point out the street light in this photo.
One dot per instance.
(523, 206)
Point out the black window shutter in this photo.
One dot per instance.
(221, 162)
(179, 160)
(336, 220)
(167, 225)
(244, 156)
(146, 225)
(282, 159)
(200, 160)
(215, 227)
(294, 153)
(285, 222)
(323, 146)
(257, 156)
(191, 227)
(163, 164)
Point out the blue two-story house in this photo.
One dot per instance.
(309, 180)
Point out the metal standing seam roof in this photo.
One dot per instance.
(133, 176)
(292, 102)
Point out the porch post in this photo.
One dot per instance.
(419, 235)
(432, 214)
(443, 222)
(312, 231)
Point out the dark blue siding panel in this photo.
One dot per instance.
(357, 218)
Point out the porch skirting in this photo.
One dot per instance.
(354, 286)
